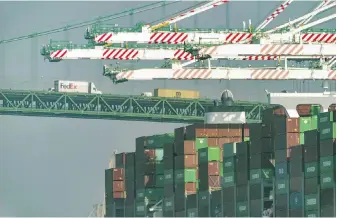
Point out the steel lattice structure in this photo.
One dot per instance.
(115, 107)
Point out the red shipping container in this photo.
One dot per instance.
(189, 147)
(293, 125)
(245, 130)
(214, 181)
(118, 186)
(150, 154)
(230, 130)
(119, 195)
(213, 168)
(191, 161)
(293, 139)
(211, 132)
(190, 188)
(118, 174)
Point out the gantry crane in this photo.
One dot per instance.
(56, 51)
(170, 35)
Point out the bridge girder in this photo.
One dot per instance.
(115, 107)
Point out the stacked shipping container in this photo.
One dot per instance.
(327, 164)
(115, 192)
(210, 170)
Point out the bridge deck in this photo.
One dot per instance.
(114, 107)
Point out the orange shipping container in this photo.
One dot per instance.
(118, 174)
(174, 93)
(118, 186)
(119, 195)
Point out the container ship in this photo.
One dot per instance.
(281, 167)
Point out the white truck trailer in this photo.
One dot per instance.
(74, 87)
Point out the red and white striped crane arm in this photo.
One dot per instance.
(322, 4)
(277, 12)
(190, 13)
(223, 74)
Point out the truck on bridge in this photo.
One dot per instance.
(74, 87)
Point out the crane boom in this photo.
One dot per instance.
(322, 4)
(178, 53)
(190, 13)
(222, 74)
(323, 20)
(277, 12)
(320, 10)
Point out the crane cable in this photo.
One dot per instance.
(93, 21)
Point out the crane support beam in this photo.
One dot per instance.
(322, 4)
(221, 74)
(217, 52)
(323, 20)
(315, 12)
(115, 107)
(190, 13)
(231, 51)
(277, 12)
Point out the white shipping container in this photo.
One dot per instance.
(225, 117)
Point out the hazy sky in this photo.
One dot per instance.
(55, 166)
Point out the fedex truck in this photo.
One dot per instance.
(75, 87)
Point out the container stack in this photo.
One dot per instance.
(192, 205)
(150, 171)
(210, 160)
(115, 192)
(230, 171)
(186, 172)
(168, 202)
(261, 169)
(130, 185)
(327, 130)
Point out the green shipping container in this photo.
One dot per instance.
(242, 209)
(204, 198)
(229, 149)
(159, 154)
(315, 110)
(327, 130)
(328, 180)
(311, 169)
(306, 124)
(192, 212)
(154, 194)
(221, 170)
(246, 139)
(312, 213)
(325, 117)
(201, 143)
(160, 181)
(311, 202)
(168, 204)
(314, 122)
(168, 177)
(140, 194)
(259, 175)
(228, 179)
(229, 164)
(209, 154)
(282, 186)
(186, 175)
(158, 141)
(140, 209)
(301, 138)
(328, 164)
(160, 167)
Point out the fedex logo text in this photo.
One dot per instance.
(68, 86)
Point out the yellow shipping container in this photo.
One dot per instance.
(174, 93)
